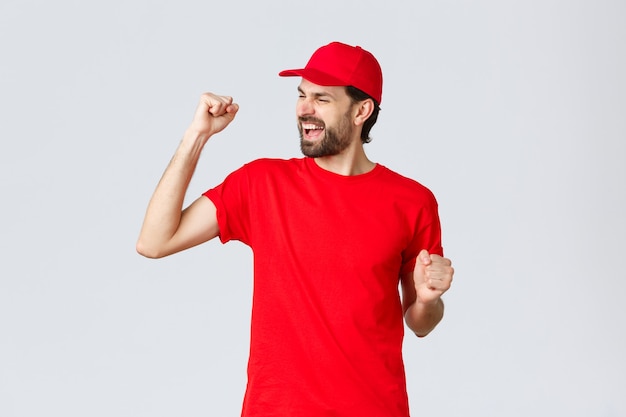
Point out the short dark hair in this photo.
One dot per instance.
(357, 95)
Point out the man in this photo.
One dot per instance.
(333, 235)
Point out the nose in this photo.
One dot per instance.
(304, 107)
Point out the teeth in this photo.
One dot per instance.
(310, 126)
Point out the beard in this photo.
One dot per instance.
(335, 139)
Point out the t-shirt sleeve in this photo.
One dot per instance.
(231, 202)
(427, 235)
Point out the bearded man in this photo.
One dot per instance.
(334, 235)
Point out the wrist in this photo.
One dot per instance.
(193, 142)
(428, 302)
(195, 136)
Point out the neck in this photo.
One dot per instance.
(351, 161)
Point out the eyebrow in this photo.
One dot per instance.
(317, 94)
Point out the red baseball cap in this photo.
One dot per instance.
(338, 64)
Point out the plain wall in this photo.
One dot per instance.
(512, 112)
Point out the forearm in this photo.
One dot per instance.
(164, 210)
(422, 318)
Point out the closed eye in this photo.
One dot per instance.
(321, 97)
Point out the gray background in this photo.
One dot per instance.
(512, 112)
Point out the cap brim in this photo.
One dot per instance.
(315, 76)
(290, 73)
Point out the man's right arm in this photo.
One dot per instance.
(167, 228)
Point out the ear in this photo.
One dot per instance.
(363, 110)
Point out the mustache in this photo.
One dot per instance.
(310, 119)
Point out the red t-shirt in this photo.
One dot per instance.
(327, 322)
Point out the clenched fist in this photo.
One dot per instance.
(213, 114)
(432, 275)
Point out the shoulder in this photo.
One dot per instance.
(403, 185)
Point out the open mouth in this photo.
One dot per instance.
(312, 130)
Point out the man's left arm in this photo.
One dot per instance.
(422, 290)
